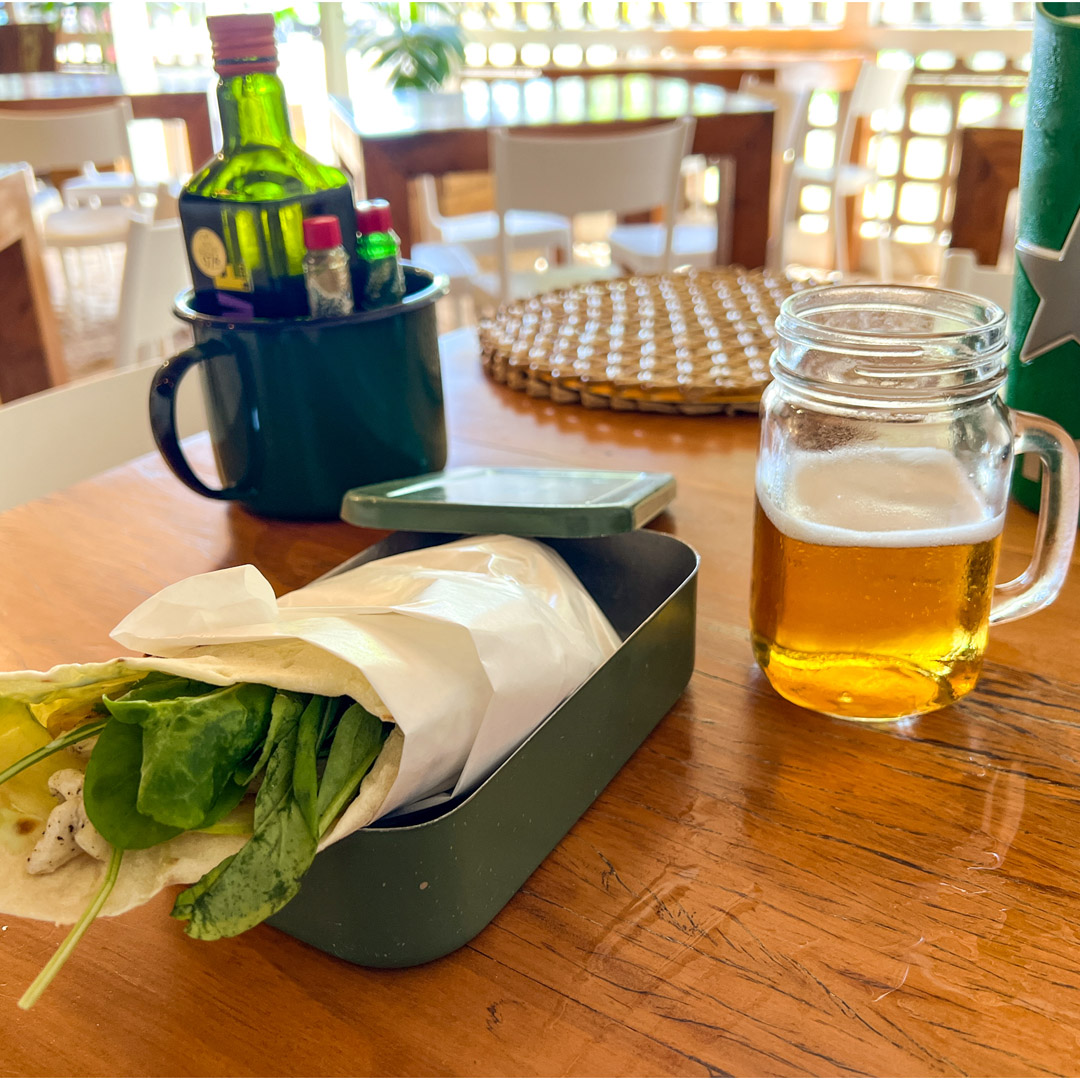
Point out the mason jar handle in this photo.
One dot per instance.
(1040, 583)
(163, 390)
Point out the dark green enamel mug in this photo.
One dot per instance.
(302, 410)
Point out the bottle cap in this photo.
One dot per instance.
(243, 44)
(373, 216)
(322, 233)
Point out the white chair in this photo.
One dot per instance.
(53, 140)
(876, 89)
(477, 232)
(59, 437)
(459, 266)
(640, 248)
(637, 247)
(960, 271)
(155, 270)
(569, 175)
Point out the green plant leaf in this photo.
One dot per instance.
(265, 874)
(305, 778)
(357, 741)
(193, 741)
(111, 790)
(285, 711)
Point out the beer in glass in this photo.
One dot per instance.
(880, 501)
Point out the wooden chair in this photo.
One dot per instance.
(980, 259)
(27, 47)
(59, 437)
(989, 172)
(622, 173)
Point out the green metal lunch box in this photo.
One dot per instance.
(420, 886)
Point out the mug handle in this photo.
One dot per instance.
(1040, 583)
(163, 390)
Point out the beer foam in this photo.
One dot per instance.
(878, 497)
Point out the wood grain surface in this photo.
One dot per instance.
(760, 890)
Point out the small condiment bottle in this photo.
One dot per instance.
(381, 278)
(326, 268)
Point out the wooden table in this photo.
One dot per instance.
(31, 352)
(760, 890)
(386, 142)
(167, 97)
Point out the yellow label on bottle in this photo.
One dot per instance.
(234, 279)
(208, 252)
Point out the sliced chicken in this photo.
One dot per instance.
(68, 831)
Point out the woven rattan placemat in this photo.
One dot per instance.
(695, 341)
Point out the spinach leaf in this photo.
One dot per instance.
(285, 711)
(357, 742)
(192, 745)
(185, 902)
(111, 790)
(265, 873)
(159, 686)
(228, 800)
(305, 777)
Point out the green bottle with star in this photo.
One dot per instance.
(1044, 352)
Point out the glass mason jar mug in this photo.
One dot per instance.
(882, 480)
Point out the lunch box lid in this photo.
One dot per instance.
(517, 501)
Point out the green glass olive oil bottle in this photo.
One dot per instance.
(243, 212)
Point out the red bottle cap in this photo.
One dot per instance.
(322, 233)
(243, 44)
(374, 216)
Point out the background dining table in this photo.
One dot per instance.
(387, 141)
(760, 890)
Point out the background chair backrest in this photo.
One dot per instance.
(878, 88)
(960, 271)
(59, 437)
(430, 218)
(155, 270)
(50, 139)
(579, 175)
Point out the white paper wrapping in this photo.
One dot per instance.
(469, 645)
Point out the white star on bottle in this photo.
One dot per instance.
(1055, 276)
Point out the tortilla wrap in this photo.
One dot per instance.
(442, 631)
